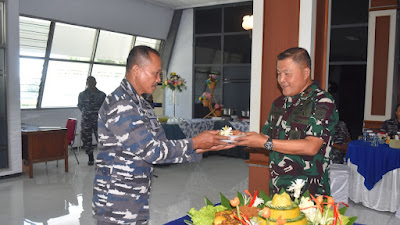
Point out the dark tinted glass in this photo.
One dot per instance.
(347, 12)
(347, 86)
(233, 17)
(237, 96)
(208, 50)
(349, 44)
(237, 48)
(208, 21)
(237, 72)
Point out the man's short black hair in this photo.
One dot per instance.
(138, 54)
(298, 55)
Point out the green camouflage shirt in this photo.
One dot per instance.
(310, 113)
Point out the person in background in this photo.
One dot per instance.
(299, 129)
(392, 126)
(340, 141)
(89, 103)
(131, 140)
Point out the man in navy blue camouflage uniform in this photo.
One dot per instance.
(89, 102)
(131, 139)
(392, 126)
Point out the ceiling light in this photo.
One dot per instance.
(247, 23)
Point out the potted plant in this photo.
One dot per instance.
(212, 81)
(218, 110)
(205, 99)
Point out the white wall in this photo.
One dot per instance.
(12, 73)
(181, 63)
(127, 16)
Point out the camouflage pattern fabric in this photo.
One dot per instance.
(310, 113)
(340, 138)
(89, 103)
(390, 126)
(131, 139)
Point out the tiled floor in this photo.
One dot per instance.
(54, 197)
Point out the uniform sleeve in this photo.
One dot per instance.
(137, 135)
(80, 101)
(324, 118)
(384, 127)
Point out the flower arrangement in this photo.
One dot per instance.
(174, 82)
(212, 78)
(218, 106)
(205, 96)
(260, 209)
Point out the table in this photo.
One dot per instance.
(191, 127)
(374, 175)
(43, 144)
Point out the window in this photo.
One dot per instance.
(348, 61)
(56, 58)
(113, 47)
(33, 36)
(30, 73)
(64, 81)
(72, 42)
(108, 77)
(222, 47)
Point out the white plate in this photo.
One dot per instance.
(231, 138)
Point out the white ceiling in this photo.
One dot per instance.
(183, 4)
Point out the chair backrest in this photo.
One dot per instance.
(71, 130)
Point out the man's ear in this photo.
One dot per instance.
(307, 73)
(134, 70)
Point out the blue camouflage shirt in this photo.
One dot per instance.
(131, 139)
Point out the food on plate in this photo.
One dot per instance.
(205, 216)
(225, 218)
(260, 209)
(228, 131)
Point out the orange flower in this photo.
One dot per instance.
(330, 201)
(318, 201)
(280, 221)
(234, 202)
(266, 213)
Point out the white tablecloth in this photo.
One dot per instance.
(384, 196)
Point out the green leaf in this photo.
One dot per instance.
(208, 202)
(264, 196)
(306, 194)
(352, 220)
(225, 202)
(342, 210)
(188, 222)
(240, 196)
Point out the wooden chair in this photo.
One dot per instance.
(375, 126)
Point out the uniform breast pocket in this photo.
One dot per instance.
(155, 125)
(299, 120)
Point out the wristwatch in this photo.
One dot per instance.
(269, 145)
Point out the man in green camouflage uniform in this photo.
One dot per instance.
(299, 129)
(89, 102)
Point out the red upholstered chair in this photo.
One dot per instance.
(71, 134)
